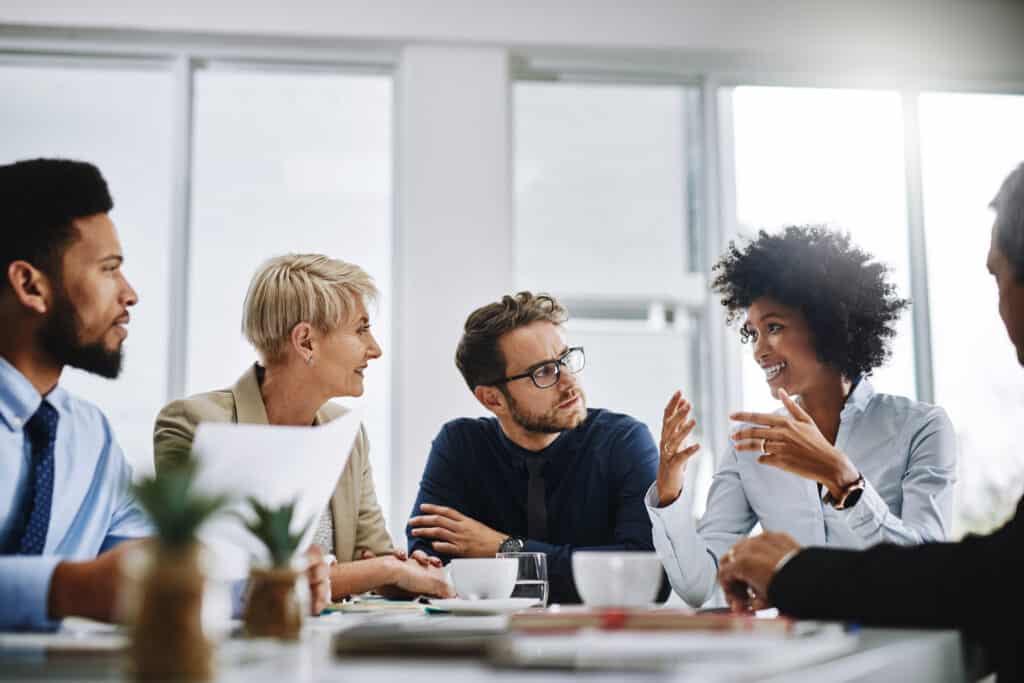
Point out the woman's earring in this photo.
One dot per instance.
(309, 359)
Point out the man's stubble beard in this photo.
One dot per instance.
(549, 422)
(59, 337)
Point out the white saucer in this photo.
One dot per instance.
(483, 606)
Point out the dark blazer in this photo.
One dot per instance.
(974, 585)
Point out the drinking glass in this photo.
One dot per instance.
(532, 580)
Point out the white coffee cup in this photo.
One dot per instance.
(616, 579)
(484, 578)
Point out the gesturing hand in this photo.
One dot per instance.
(794, 443)
(746, 571)
(454, 533)
(675, 427)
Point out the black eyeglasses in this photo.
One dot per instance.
(546, 374)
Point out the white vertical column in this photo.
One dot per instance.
(453, 238)
(913, 168)
(177, 349)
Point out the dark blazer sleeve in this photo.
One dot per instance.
(441, 484)
(971, 585)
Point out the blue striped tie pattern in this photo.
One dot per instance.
(41, 430)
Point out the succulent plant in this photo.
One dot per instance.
(175, 509)
(272, 526)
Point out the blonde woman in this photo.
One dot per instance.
(306, 316)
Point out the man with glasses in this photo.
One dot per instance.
(545, 474)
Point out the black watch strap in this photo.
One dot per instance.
(512, 545)
(849, 497)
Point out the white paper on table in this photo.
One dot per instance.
(712, 654)
(274, 464)
(76, 634)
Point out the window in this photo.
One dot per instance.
(601, 222)
(288, 162)
(117, 116)
(806, 155)
(969, 143)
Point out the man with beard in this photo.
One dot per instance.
(545, 474)
(65, 500)
(967, 585)
(64, 482)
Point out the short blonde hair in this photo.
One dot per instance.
(295, 288)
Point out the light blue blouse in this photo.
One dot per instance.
(906, 450)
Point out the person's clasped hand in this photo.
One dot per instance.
(454, 533)
(419, 556)
(746, 571)
(319, 577)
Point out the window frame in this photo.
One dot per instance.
(709, 167)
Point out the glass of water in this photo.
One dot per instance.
(532, 580)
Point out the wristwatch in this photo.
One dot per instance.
(512, 545)
(848, 497)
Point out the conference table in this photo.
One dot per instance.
(829, 653)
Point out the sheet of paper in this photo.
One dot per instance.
(700, 651)
(275, 465)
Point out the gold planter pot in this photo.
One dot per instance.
(163, 604)
(274, 606)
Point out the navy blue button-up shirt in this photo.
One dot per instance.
(595, 477)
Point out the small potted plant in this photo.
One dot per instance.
(168, 576)
(276, 600)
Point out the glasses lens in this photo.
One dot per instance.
(574, 360)
(546, 375)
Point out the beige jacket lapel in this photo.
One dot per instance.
(358, 520)
(249, 408)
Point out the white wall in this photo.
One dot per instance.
(453, 238)
(979, 36)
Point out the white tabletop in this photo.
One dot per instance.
(868, 655)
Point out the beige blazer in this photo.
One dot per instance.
(358, 521)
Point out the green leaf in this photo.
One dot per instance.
(271, 526)
(175, 510)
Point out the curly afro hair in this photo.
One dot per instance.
(841, 290)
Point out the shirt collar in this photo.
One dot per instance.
(19, 400)
(859, 397)
(552, 449)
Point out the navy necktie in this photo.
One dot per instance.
(536, 506)
(41, 430)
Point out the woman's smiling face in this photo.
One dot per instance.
(783, 347)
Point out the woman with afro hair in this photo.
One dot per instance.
(839, 464)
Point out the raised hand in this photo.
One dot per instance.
(675, 427)
(795, 444)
